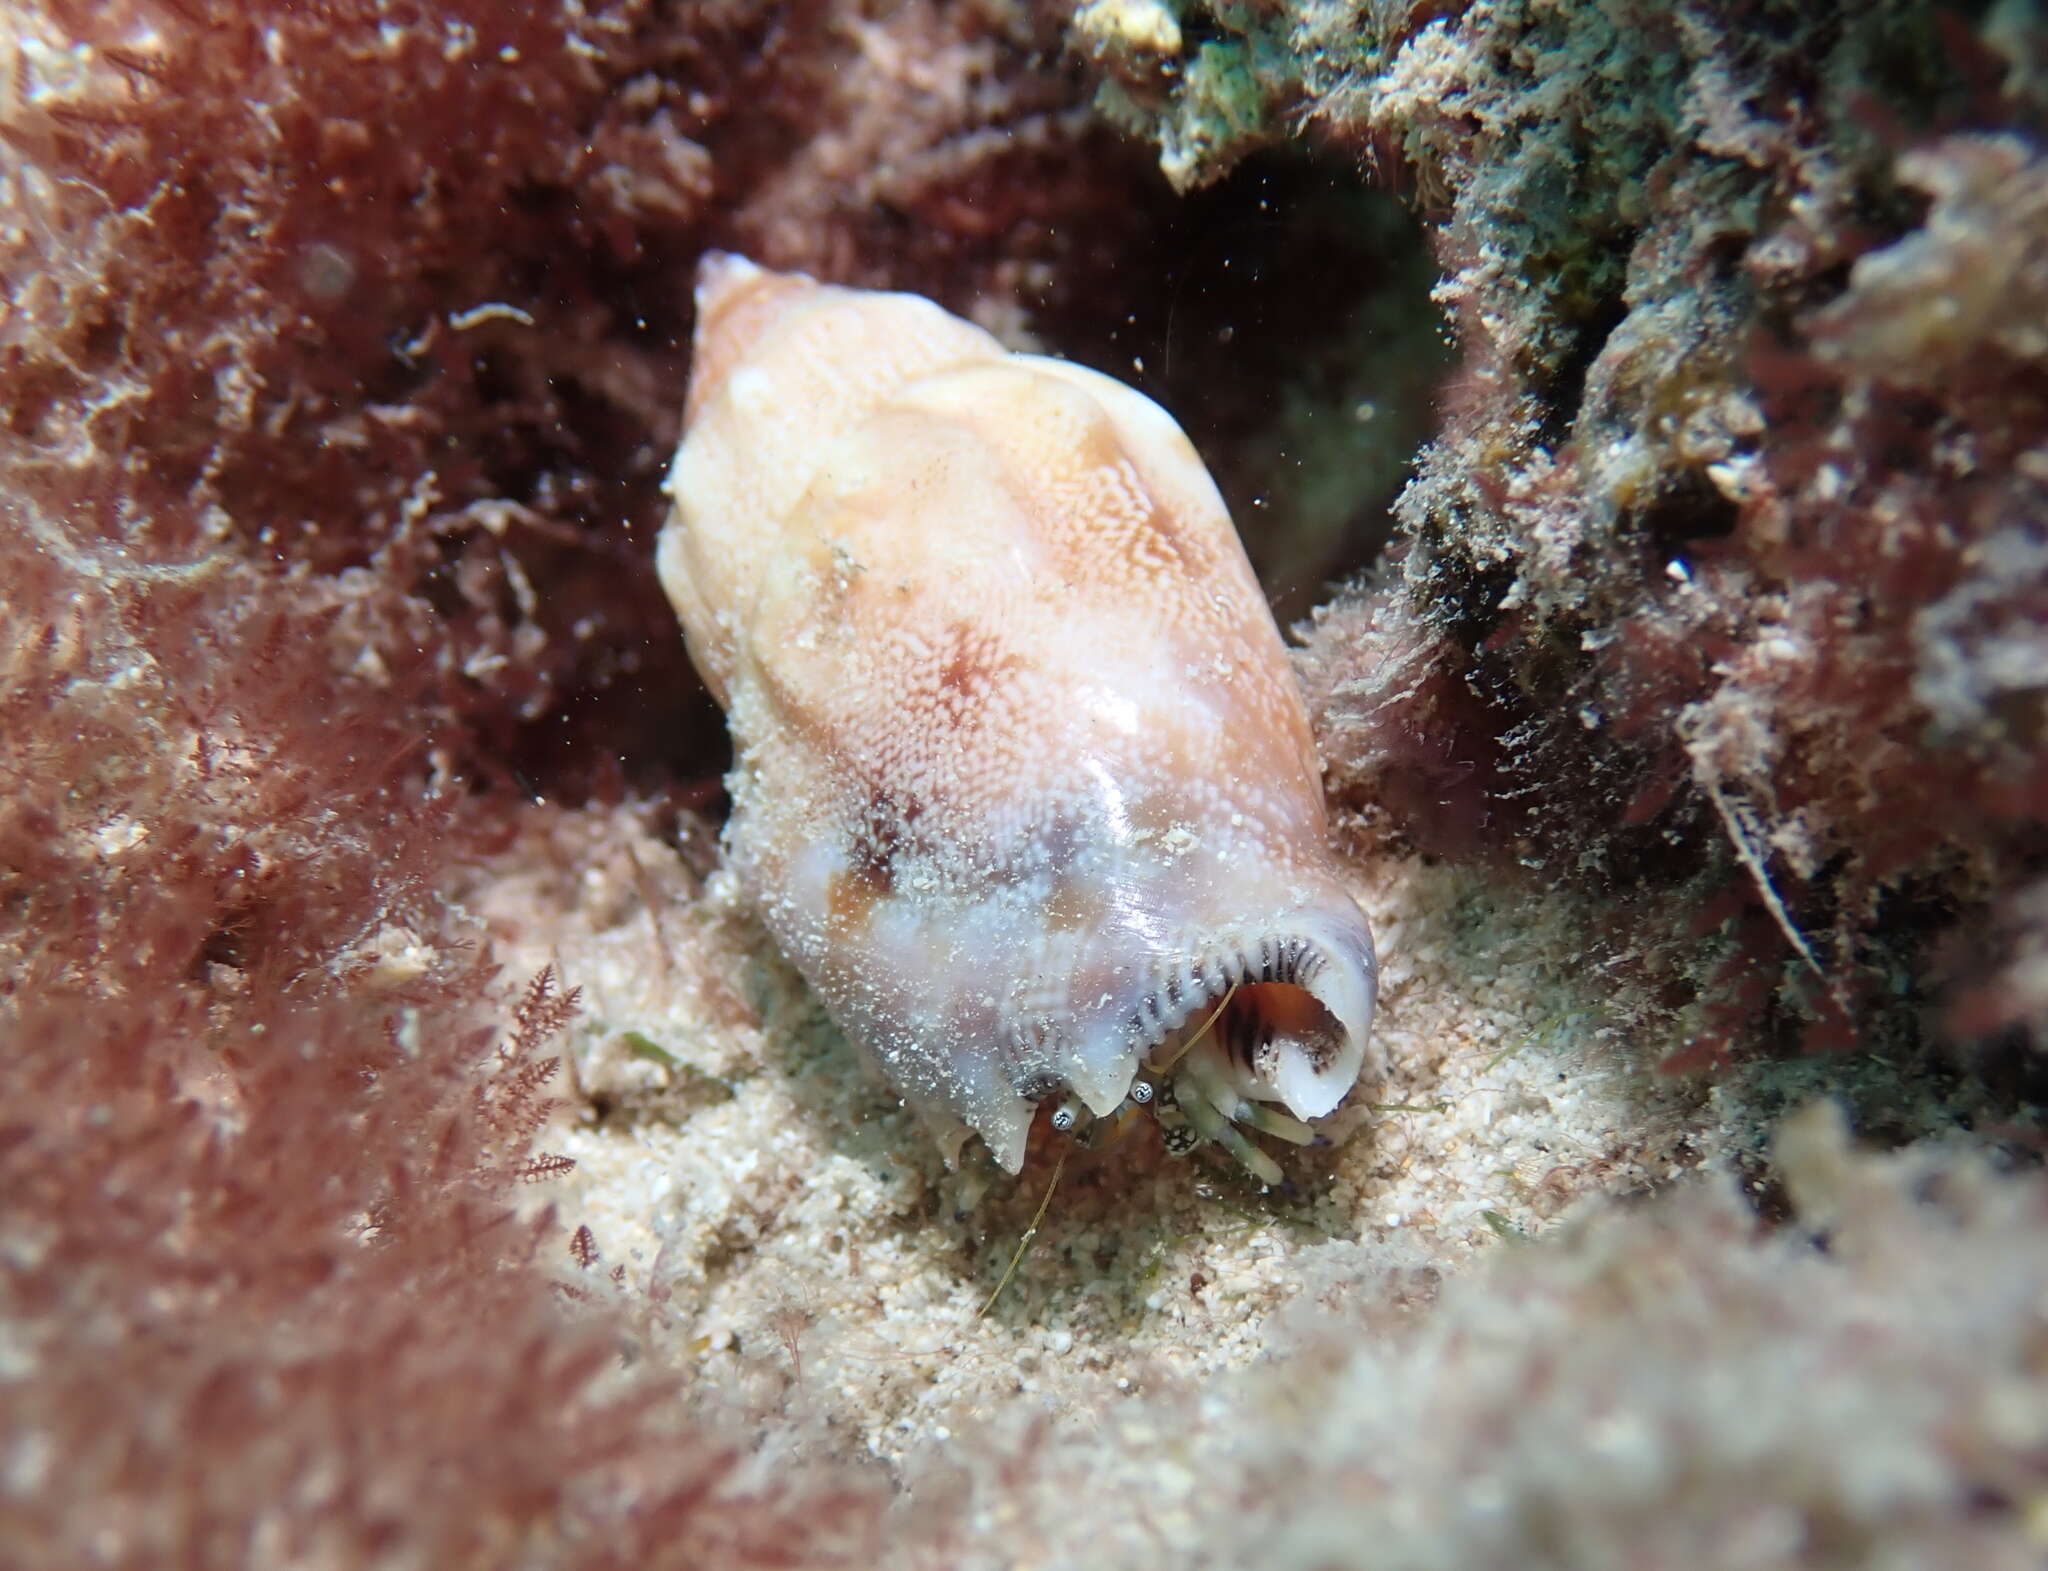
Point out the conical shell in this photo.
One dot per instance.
(1024, 784)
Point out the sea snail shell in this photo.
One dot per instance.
(1024, 784)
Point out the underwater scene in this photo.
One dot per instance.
(997, 784)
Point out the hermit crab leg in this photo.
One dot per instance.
(1204, 1073)
(1211, 1123)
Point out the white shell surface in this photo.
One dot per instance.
(1023, 779)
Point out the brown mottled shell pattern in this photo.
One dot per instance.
(1024, 784)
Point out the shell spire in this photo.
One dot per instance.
(1024, 784)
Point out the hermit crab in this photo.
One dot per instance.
(1023, 781)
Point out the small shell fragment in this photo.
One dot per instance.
(1024, 784)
